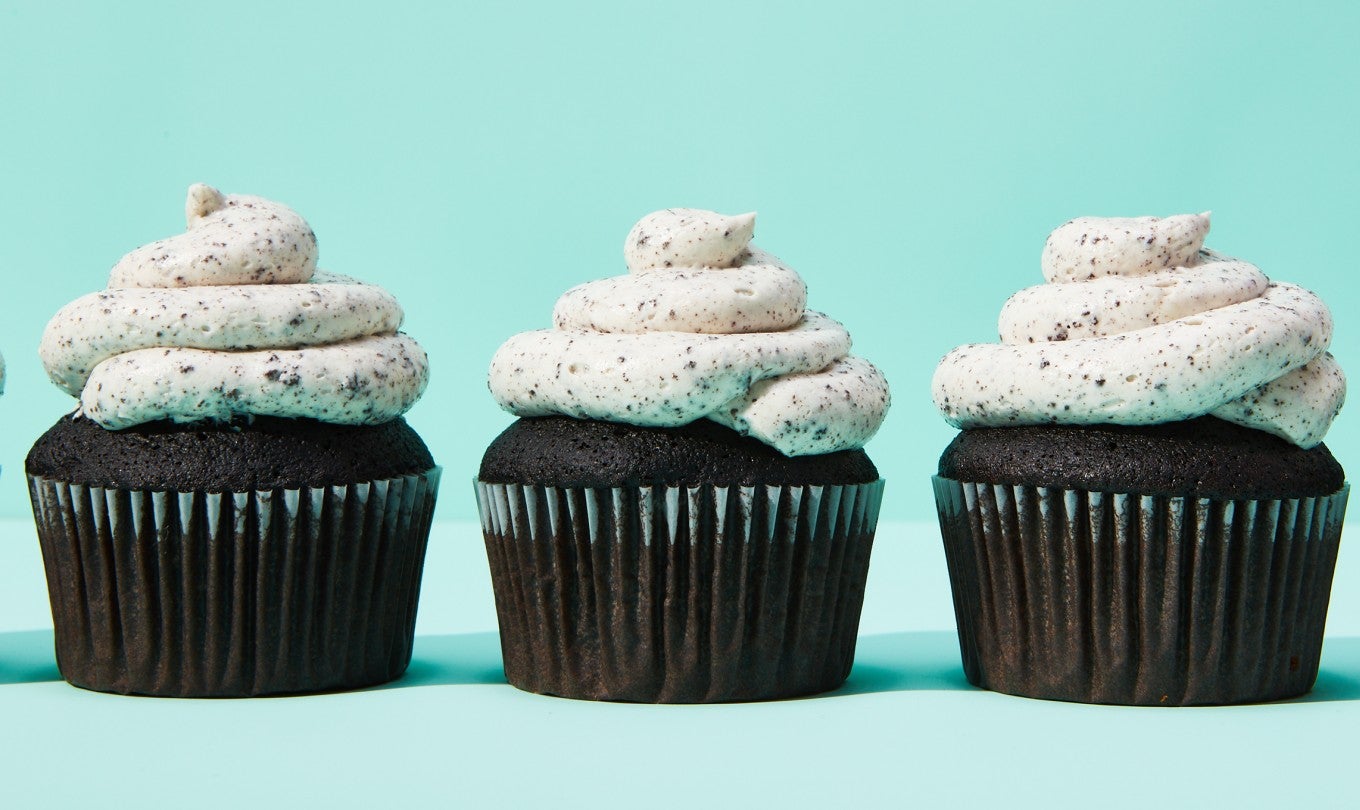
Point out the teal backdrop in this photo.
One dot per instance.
(908, 158)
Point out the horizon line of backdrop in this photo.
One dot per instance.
(907, 158)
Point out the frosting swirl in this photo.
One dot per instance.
(232, 318)
(705, 325)
(1140, 324)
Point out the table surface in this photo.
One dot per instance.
(906, 727)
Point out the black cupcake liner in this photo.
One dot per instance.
(1134, 599)
(194, 594)
(678, 594)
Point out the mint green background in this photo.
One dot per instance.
(477, 159)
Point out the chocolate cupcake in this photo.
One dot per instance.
(236, 507)
(684, 512)
(1139, 508)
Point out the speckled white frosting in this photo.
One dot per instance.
(231, 239)
(706, 325)
(231, 318)
(1139, 324)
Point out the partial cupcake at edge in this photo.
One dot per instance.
(1139, 508)
(683, 512)
(236, 506)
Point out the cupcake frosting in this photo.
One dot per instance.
(229, 319)
(1140, 324)
(704, 325)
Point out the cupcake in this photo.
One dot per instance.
(236, 506)
(683, 512)
(1139, 508)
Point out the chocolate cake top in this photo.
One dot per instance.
(1203, 457)
(567, 452)
(265, 453)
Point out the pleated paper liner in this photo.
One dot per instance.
(678, 594)
(1138, 599)
(229, 595)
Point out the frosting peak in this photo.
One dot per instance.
(1139, 324)
(690, 271)
(231, 318)
(1090, 247)
(231, 239)
(705, 325)
(203, 199)
(687, 237)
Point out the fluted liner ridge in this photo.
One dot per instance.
(1135, 599)
(678, 594)
(199, 594)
